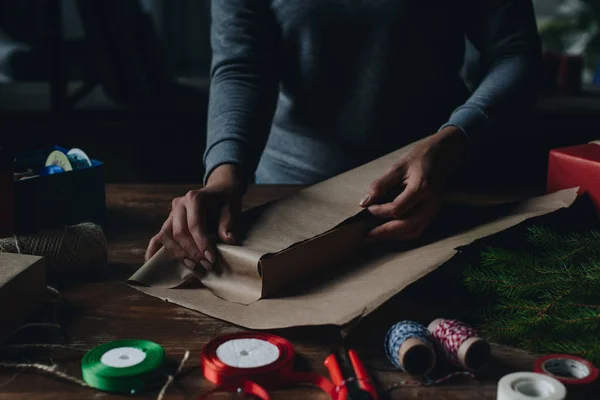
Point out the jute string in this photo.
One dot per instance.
(69, 250)
(53, 369)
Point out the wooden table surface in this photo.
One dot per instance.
(103, 310)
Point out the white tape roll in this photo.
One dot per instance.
(247, 353)
(530, 386)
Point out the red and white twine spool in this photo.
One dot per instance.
(460, 343)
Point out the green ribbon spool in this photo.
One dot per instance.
(123, 366)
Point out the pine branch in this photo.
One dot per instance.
(548, 296)
(541, 236)
(522, 305)
(573, 249)
(498, 257)
(585, 346)
(581, 319)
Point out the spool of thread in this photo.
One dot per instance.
(123, 366)
(69, 251)
(409, 347)
(530, 385)
(460, 344)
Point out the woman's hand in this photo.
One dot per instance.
(422, 176)
(185, 232)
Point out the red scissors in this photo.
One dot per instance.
(350, 376)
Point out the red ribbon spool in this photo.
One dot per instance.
(569, 370)
(256, 380)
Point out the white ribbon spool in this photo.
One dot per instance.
(530, 386)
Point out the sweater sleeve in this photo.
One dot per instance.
(244, 83)
(505, 34)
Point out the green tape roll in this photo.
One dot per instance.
(123, 366)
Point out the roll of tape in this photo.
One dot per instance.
(78, 159)
(123, 366)
(568, 369)
(59, 158)
(529, 386)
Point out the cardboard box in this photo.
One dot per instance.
(66, 198)
(22, 289)
(576, 166)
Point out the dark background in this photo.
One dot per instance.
(143, 67)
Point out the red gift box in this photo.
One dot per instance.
(576, 166)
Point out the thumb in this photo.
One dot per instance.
(382, 186)
(229, 213)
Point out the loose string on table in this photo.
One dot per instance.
(47, 325)
(50, 369)
(41, 346)
(428, 381)
(53, 369)
(171, 378)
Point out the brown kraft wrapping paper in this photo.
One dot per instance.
(302, 260)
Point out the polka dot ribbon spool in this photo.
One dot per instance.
(409, 347)
(460, 344)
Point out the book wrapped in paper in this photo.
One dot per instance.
(302, 260)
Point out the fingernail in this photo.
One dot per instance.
(365, 200)
(206, 265)
(189, 263)
(230, 236)
(209, 256)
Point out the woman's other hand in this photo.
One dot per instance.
(421, 175)
(185, 232)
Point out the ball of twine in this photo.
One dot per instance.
(69, 251)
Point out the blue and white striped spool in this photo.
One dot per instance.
(400, 333)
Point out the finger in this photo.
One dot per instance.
(153, 247)
(392, 230)
(406, 229)
(405, 202)
(230, 211)
(183, 237)
(174, 248)
(379, 188)
(196, 223)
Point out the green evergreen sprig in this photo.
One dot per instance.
(548, 292)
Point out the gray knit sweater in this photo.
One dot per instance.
(302, 90)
